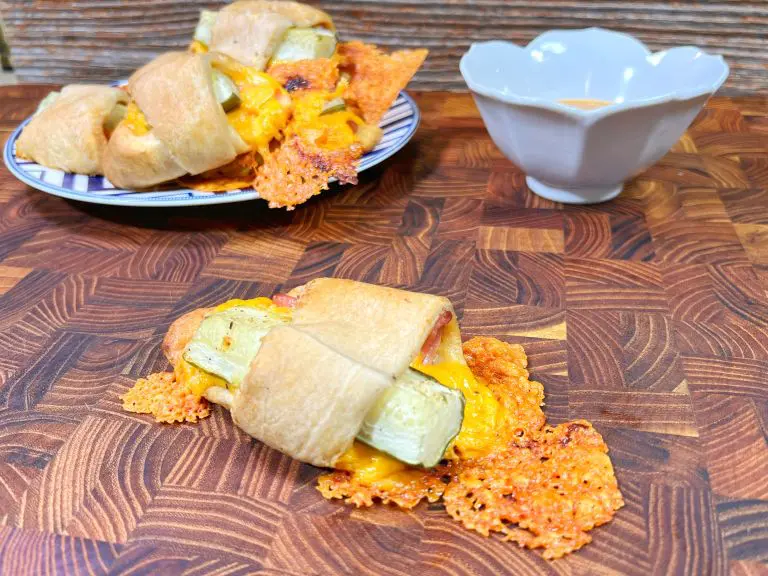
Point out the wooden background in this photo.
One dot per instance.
(647, 315)
(68, 40)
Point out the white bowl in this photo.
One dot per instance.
(584, 156)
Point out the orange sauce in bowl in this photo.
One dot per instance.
(585, 103)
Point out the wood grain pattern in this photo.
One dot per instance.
(647, 315)
(67, 41)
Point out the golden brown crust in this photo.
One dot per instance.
(189, 132)
(251, 30)
(249, 38)
(313, 381)
(138, 161)
(69, 134)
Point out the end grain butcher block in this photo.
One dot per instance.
(647, 315)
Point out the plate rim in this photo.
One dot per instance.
(9, 160)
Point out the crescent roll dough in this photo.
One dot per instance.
(133, 161)
(313, 381)
(189, 131)
(69, 134)
(374, 325)
(312, 408)
(251, 30)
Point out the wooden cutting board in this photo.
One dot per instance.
(647, 315)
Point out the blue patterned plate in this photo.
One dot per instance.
(399, 124)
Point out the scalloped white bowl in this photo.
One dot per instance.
(585, 156)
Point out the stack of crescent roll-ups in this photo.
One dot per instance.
(264, 96)
(334, 367)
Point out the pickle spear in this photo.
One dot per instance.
(305, 44)
(335, 105)
(227, 341)
(414, 420)
(204, 29)
(225, 90)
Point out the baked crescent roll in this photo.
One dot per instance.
(69, 134)
(310, 409)
(251, 30)
(300, 15)
(384, 328)
(188, 131)
(315, 378)
(138, 160)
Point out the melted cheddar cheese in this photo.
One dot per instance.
(265, 106)
(370, 466)
(197, 47)
(197, 380)
(333, 131)
(483, 416)
(135, 120)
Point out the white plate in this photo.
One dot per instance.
(399, 124)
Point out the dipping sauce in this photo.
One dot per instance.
(585, 103)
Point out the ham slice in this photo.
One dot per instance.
(432, 343)
(284, 300)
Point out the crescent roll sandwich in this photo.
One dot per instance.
(70, 129)
(181, 119)
(255, 31)
(310, 372)
(375, 383)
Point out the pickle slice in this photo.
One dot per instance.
(305, 44)
(227, 341)
(204, 29)
(225, 90)
(414, 420)
(335, 105)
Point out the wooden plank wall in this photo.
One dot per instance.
(99, 40)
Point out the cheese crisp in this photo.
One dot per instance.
(167, 399)
(375, 77)
(540, 486)
(318, 74)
